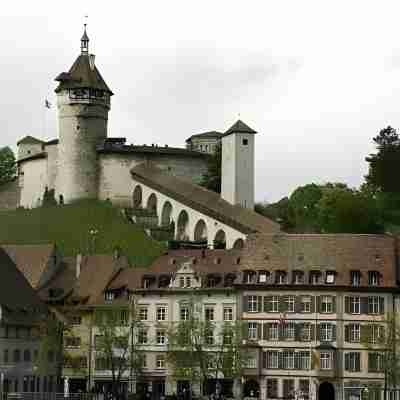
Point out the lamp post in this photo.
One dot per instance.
(93, 235)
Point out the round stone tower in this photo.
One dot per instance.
(83, 101)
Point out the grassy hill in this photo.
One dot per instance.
(68, 226)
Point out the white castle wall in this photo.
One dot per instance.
(81, 128)
(29, 149)
(33, 182)
(213, 225)
(52, 165)
(116, 179)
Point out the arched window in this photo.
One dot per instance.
(239, 244)
(200, 231)
(166, 214)
(152, 204)
(27, 356)
(137, 197)
(220, 240)
(182, 226)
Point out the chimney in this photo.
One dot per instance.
(78, 265)
(91, 61)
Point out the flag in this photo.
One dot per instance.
(47, 104)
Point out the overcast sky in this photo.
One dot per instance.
(316, 79)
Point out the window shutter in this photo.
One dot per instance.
(296, 360)
(347, 333)
(364, 333)
(266, 331)
(264, 359)
(267, 300)
(312, 332)
(297, 331)
(259, 333)
(333, 304)
(298, 306)
(280, 360)
(313, 304)
(357, 362)
(318, 303)
(364, 305)
(280, 330)
(346, 361)
(259, 303)
(246, 333)
(318, 331)
(381, 305)
(347, 304)
(245, 303)
(333, 332)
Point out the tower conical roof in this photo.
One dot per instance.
(239, 127)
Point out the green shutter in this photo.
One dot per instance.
(312, 332)
(381, 305)
(346, 361)
(313, 309)
(318, 328)
(347, 333)
(266, 331)
(298, 306)
(259, 303)
(333, 304)
(333, 332)
(347, 304)
(245, 303)
(358, 362)
(364, 305)
(318, 303)
(266, 303)
(259, 332)
(296, 360)
(283, 304)
(280, 360)
(264, 359)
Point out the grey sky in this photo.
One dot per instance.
(317, 79)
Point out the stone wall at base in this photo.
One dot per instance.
(10, 194)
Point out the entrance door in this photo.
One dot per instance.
(326, 391)
(252, 389)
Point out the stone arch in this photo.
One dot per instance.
(326, 391)
(182, 226)
(152, 203)
(238, 244)
(200, 231)
(220, 240)
(166, 214)
(137, 197)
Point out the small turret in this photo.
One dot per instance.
(84, 42)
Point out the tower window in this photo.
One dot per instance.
(245, 142)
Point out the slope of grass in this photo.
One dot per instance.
(69, 227)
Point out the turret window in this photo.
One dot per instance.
(245, 142)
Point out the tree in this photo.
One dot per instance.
(348, 211)
(117, 349)
(384, 165)
(199, 350)
(212, 178)
(8, 166)
(278, 212)
(382, 342)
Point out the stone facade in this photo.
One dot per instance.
(10, 195)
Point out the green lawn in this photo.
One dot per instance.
(68, 226)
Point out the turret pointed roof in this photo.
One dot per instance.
(239, 127)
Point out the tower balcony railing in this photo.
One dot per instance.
(87, 96)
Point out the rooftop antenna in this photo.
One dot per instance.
(85, 38)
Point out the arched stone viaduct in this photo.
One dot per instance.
(189, 224)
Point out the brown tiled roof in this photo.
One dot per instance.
(211, 135)
(81, 75)
(29, 139)
(202, 200)
(31, 260)
(335, 252)
(15, 291)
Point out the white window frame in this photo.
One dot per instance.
(288, 359)
(289, 329)
(275, 304)
(273, 333)
(272, 359)
(142, 336)
(291, 301)
(330, 277)
(306, 300)
(326, 305)
(306, 332)
(355, 305)
(160, 361)
(184, 313)
(325, 360)
(355, 330)
(304, 360)
(252, 331)
(160, 336)
(326, 332)
(161, 313)
(143, 313)
(374, 302)
(228, 313)
(376, 333)
(252, 303)
(209, 313)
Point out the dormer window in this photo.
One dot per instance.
(109, 296)
(211, 282)
(188, 281)
(373, 278)
(249, 277)
(280, 278)
(146, 283)
(355, 278)
(298, 277)
(263, 277)
(330, 277)
(315, 277)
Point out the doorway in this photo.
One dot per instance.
(326, 391)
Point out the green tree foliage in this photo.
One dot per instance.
(117, 349)
(200, 349)
(212, 178)
(348, 211)
(8, 166)
(278, 212)
(385, 164)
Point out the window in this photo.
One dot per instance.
(142, 336)
(352, 361)
(304, 389)
(355, 278)
(209, 313)
(377, 333)
(263, 277)
(298, 277)
(209, 335)
(315, 277)
(326, 304)
(188, 281)
(305, 332)
(251, 362)
(325, 332)
(355, 305)
(17, 356)
(375, 305)
(325, 360)
(245, 142)
(273, 333)
(109, 296)
(143, 313)
(290, 300)
(306, 304)
(72, 342)
(288, 389)
(50, 356)
(252, 304)
(144, 361)
(227, 337)
(304, 359)
(289, 329)
(76, 320)
(280, 277)
(275, 304)
(184, 313)
(27, 356)
(375, 362)
(160, 361)
(252, 331)
(373, 278)
(288, 359)
(272, 388)
(5, 356)
(161, 313)
(330, 277)
(182, 282)
(160, 334)
(228, 314)
(354, 332)
(124, 317)
(272, 359)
